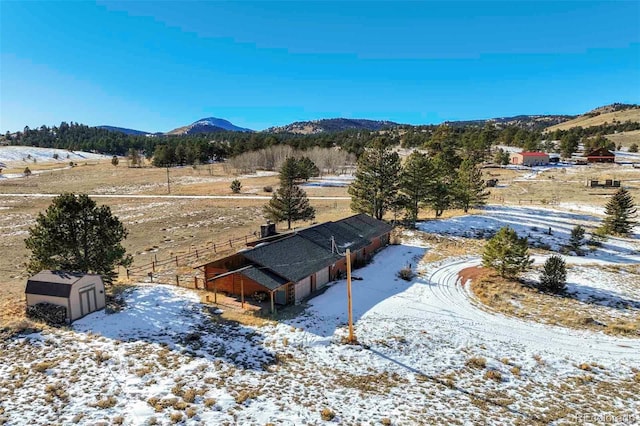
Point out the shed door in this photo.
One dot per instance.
(322, 278)
(303, 289)
(88, 301)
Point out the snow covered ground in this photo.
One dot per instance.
(330, 181)
(534, 223)
(20, 154)
(427, 354)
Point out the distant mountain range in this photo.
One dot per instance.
(124, 130)
(532, 122)
(331, 125)
(208, 125)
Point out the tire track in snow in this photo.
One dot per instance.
(459, 301)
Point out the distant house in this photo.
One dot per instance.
(80, 294)
(601, 155)
(529, 158)
(293, 267)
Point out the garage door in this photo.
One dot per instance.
(322, 278)
(303, 289)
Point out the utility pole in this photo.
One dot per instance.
(352, 338)
(168, 184)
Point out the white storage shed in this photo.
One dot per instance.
(81, 294)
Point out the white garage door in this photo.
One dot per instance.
(322, 278)
(303, 289)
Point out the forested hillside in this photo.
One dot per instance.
(470, 139)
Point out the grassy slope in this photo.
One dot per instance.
(625, 138)
(586, 121)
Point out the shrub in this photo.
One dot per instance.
(268, 189)
(189, 395)
(493, 375)
(406, 273)
(476, 362)
(108, 402)
(236, 186)
(554, 275)
(327, 415)
(633, 147)
(515, 370)
(27, 171)
(209, 402)
(176, 417)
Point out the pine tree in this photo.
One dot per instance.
(441, 194)
(554, 275)
(236, 186)
(289, 203)
(134, 157)
(289, 172)
(307, 168)
(507, 253)
(377, 181)
(76, 235)
(620, 211)
(576, 240)
(416, 179)
(469, 186)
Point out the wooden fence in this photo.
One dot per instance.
(158, 270)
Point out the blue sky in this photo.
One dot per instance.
(158, 65)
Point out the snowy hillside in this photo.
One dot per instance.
(17, 155)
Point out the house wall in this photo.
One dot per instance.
(516, 159)
(221, 266)
(601, 159)
(535, 161)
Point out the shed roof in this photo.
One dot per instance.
(366, 226)
(54, 283)
(343, 235)
(264, 277)
(293, 258)
(534, 154)
(601, 152)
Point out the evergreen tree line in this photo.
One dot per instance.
(474, 140)
(440, 182)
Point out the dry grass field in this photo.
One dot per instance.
(515, 299)
(168, 227)
(157, 227)
(586, 121)
(625, 139)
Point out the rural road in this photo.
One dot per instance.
(172, 197)
(458, 305)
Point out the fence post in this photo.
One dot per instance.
(177, 281)
(155, 257)
(153, 266)
(196, 253)
(195, 282)
(176, 260)
(127, 273)
(230, 243)
(214, 247)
